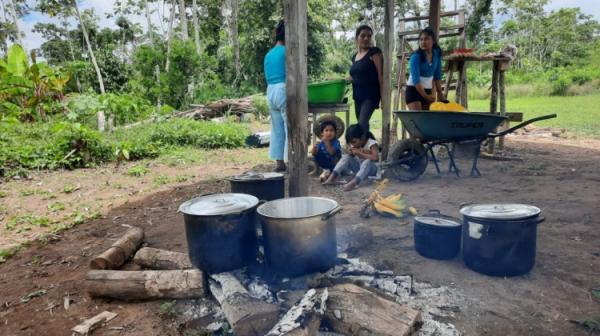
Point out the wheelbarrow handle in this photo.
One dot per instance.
(521, 125)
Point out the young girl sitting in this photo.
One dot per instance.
(327, 152)
(360, 158)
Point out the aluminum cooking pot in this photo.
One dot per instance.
(299, 234)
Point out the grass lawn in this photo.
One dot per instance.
(578, 114)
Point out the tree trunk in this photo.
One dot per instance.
(13, 12)
(101, 116)
(154, 258)
(235, 9)
(170, 34)
(149, 22)
(196, 27)
(183, 20)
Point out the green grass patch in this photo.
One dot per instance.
(138, 171)
(580, 114)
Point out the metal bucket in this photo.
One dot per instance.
(264, 186)
(220, 231)
(299, 234)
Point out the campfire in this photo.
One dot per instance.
(351, 298)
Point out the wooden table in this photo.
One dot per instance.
(500, 65)
(315, 109)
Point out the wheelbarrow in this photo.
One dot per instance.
(408, 159)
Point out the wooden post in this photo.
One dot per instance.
(434, 16)
(388, 62)
(494, 100)
(502, 105)
(297, 101)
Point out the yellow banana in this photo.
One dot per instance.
(382, 209)
(394, 198)
(389, 204)
(413, 211)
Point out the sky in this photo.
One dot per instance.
(101, 7)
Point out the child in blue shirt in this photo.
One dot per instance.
(327, 152)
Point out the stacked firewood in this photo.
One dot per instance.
(219, 108)
(339, 306)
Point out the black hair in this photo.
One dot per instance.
(280, 31)
(356, 131)
(361, 28)
(326, 123)
(429, 32)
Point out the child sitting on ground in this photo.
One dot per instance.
(327, 152)
(361, 156)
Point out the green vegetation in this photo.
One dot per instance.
(579, 114)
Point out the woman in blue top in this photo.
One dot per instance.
(367, 76)
(274, 64)
(425, 73)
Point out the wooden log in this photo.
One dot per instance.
(352, 310)
(143, 285)
(304, 318)
(386, 90)
(247, 316)
(120, 251)
(87, 326)
(154, 258)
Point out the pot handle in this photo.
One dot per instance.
(434, 212)
(331, 213)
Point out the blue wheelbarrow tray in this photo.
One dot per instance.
(428, 126)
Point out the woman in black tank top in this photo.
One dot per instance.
(367, 76)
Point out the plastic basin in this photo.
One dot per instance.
(327, 92)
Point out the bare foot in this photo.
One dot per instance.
(351, 185)
(330, 180)
(325, 175)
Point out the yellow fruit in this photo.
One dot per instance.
(413, 211)
(394, 198)
(382, 209)
(450, 107)
(389, 204)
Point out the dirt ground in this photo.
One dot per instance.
(559, 176)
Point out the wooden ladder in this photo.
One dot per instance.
(404, 52)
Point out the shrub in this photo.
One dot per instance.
(260, 105)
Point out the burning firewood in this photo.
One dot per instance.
(352, 310)
(247, 316)
(304, 318)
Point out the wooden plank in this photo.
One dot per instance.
(143, 285)
(297, 102)
(442, 35)
(426, 17)
(120, 251)
(87, 326)
(388, 62)
(443, 29)
(154, 258)
(352, 310)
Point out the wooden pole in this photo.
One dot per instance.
(297, 101)
(502, 105)
(388, 62)
(434, 16)
(494, 100)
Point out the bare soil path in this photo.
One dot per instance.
(560, 178)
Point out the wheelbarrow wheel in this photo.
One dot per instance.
(408, 160)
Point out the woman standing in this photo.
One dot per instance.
(367, 76)
(274, 64)
(425, 73)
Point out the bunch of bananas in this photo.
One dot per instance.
(392, 205)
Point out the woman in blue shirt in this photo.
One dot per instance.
(425, 73)
(274, 64)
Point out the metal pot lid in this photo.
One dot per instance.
(218, 204)
(500, 211)
(251, 176)
(437, 221)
